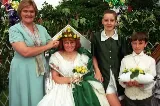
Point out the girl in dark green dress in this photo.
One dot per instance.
(107, 53)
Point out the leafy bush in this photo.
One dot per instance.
(137, 20)
(6, 51)
(141, 16)
(83, 15)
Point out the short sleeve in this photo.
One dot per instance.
(85, 58)
(15, 35)
(53, 61)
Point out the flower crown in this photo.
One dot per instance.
(68, 34)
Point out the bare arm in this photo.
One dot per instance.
(60, 79)
(98, 74)
(95, 64)
(26, 51)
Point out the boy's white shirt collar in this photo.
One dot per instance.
(104, 37)
(134, 54)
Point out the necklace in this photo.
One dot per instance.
(34, 36)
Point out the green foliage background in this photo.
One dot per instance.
(83, 15)
(145, 16)
(6, 51)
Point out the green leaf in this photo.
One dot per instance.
(82, 21)
(75, 22)
(66, 11)
(134, 74)
(73, 70)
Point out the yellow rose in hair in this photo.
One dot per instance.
(78, 36)
(59, 37)
(68, 29)
(65, 35)
(70, 35)
(75, 36)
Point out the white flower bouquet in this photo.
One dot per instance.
(136, 74)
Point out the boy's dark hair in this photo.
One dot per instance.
(141, 36)
(110, 12)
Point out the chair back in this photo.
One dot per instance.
(156, 53)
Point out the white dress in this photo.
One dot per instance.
(62, 94)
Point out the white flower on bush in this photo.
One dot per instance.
(2, 6)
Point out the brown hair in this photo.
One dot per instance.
(141, 36)
(78, 44)
(110, 12)
(25, 3)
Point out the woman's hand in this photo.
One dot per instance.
(98, 76)
(53, 44)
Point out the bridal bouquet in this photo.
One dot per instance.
(136, 74)
(79, 71)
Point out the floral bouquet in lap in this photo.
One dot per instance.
(136, 74)
(79, 72)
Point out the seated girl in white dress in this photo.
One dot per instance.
(71, 88)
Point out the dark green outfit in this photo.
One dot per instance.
(109, 54)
